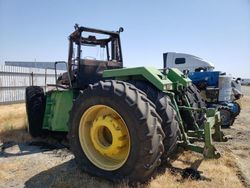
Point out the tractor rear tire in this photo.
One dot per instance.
(35, 107)
(166, 111)
(141, 125)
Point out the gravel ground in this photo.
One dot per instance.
(240, 133)
(21, 162)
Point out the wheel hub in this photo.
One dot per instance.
(108, 136)
(104, 137)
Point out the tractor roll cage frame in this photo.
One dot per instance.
(115, 53)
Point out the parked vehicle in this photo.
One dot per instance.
(218, 89)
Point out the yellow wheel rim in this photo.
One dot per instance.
(104, 137)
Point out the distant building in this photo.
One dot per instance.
(41, 65)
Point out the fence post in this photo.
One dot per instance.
(32, 76)
(45, 80)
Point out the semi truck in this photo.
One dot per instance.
(218, 89)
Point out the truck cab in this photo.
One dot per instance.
(188, 62)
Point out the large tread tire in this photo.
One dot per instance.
(170, 125)
(196, 101)
(165, 109)
(142, 121)
(35, 108)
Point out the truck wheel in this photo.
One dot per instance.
(196, 101)
(167, 113)
(35, 107)
(115, 132)
(226, 116)
(238, 109)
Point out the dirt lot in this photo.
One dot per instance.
(27, 162)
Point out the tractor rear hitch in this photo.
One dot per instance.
(212, 122)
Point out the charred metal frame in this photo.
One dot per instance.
(77, 38)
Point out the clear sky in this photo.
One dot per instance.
(216, 30)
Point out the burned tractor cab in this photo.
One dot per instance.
(90, 55)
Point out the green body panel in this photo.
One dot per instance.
(178, 78)
(153, 75)
(58, 105)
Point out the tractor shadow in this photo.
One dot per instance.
(190, 172)
(68, 175)
(15, 149)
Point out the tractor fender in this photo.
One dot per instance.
(152, 75)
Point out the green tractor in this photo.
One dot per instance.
(122, 123)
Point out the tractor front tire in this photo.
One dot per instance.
(35, 107)
(115, 132)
